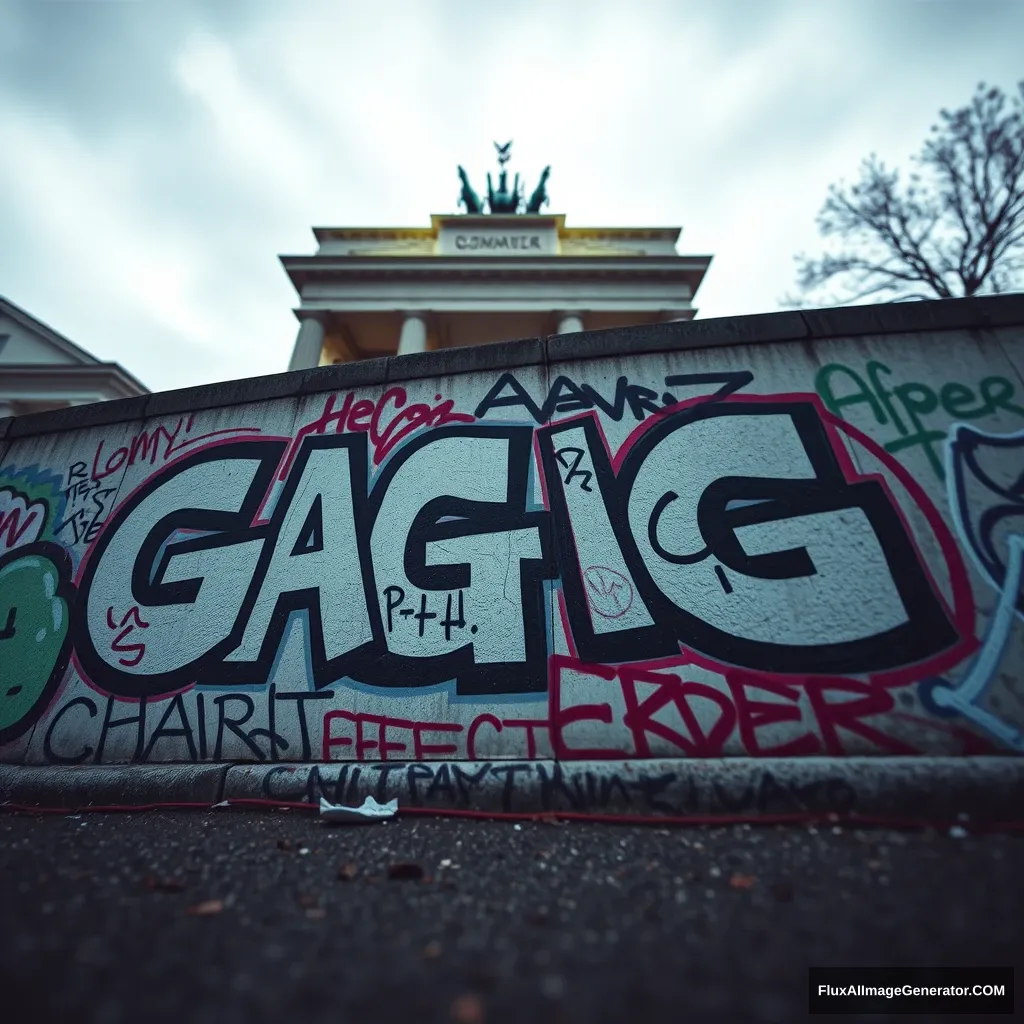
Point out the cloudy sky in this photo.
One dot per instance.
(157, 155)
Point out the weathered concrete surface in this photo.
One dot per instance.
(579, 924)
(111, 785)
(983, 788)
(787, 536)
(989, 789)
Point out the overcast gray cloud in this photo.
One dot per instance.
(157, 156)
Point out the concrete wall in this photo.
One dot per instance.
(790, 535)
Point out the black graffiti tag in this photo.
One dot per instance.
(562, 456)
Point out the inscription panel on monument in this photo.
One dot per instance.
(499, 240)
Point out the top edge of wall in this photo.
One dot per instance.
(761, 328)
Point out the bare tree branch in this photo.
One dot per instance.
(955, 228)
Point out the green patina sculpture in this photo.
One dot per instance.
(503, 199)
(468, 197)
(540, 193)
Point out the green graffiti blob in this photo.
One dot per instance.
(35, 594)
(35, 487)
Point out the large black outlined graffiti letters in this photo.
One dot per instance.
(729, 527)
(158, 610)
(458, 562)
(315, 560)
(740, 537)
(435, 574)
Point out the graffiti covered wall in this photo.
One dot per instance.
(760, 550)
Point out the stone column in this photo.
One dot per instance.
(414, 334)
(569, 323)
(309, 343)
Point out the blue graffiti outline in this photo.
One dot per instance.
(940, 696)
(36, 475)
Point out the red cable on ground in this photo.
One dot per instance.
(551, 817)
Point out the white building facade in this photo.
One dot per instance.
(475, 278)
(42, 370)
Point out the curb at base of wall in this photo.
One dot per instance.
(918, 788)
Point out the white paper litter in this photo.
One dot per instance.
(370, 811)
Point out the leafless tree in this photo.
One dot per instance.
(956, 228)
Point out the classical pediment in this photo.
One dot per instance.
(28, 341)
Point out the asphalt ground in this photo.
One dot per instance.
(237, 916)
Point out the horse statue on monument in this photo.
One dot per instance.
(540, 193)
(468, 197)
(503, 200)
